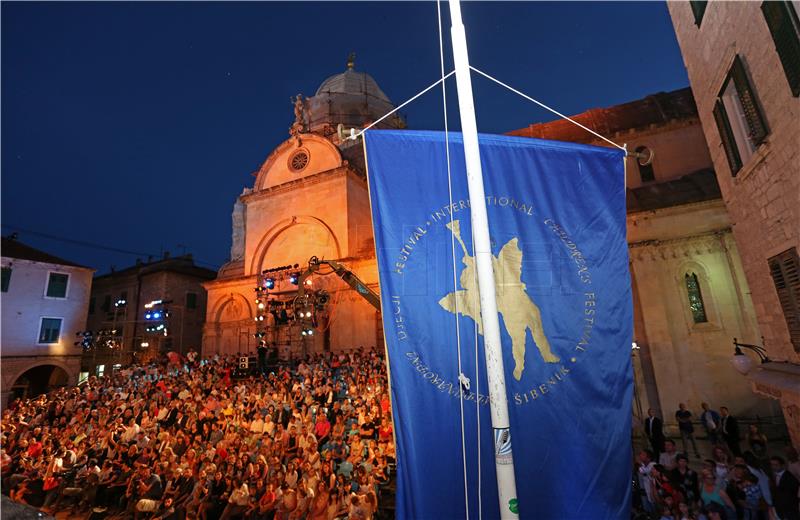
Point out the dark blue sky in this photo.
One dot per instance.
(136, 125)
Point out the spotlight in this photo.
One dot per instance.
(261, 305)
(308, 282)
(294, 278)
(148, 315)
(269, 283)
(156, 315)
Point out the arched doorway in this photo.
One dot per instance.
(39, 380)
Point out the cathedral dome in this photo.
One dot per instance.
(350, 98)
(352, 82)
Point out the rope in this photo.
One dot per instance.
(441, 80)
(556, 112)
(453, 250)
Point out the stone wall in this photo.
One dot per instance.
(763, 199)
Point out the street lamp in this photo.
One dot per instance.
(742, 363)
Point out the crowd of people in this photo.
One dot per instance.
(733, 484)
(190, 440)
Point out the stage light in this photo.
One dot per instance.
(156, 315)
(261, 305)
(148, 316)
(269, 283)
(308, 282)
(294, 278)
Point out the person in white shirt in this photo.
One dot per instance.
(131, 431)
(257, 425)
(645, 466)
(667, 459)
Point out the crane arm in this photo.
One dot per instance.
(342, 272)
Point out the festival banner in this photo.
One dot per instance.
(557, 223)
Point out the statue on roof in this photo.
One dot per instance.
(351, 61)
(299, 125)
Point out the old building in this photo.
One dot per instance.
(309, 199)
(743, 61)
(690, 294)
(118, 304)
(44, 305)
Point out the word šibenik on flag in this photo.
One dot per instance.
(557, 223)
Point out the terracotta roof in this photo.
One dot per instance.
(179, 264)
(697, 186)
(656, 109)
(13, 248)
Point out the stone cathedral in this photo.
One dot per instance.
(309, 199)
(690, 295)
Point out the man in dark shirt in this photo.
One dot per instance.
(685, 479)
(784, 491)
(729, 427)
(684, 418)
(654, 429)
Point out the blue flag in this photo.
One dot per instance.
(557, 223)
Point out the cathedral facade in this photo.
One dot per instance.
(309, 199)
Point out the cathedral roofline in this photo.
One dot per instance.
(658, 109)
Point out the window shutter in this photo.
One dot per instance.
(698, 9)
(785, 271)
(785, 29)
(57, 285)
(752, 114)
(726, 134)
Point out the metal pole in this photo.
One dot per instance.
(504, 461)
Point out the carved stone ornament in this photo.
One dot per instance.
(299, 125)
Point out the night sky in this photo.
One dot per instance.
(134, 126)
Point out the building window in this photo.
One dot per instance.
(785, 271)
(106, 303)
(645, 162)
(298, 161)
(57, 285)
(6, 279)
(91, 305)
(739, 120)
(191, 300)
(695, 298)
(50, 330)
(698, 9)
(785, 29)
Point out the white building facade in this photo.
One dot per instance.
(44, 304)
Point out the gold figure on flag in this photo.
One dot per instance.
(517, 308)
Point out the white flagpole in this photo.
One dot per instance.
(504, 462)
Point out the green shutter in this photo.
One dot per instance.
(785, 29)
(698, 10)
(755, 119)
(785, 271)
(6, 279)
(726, 134)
